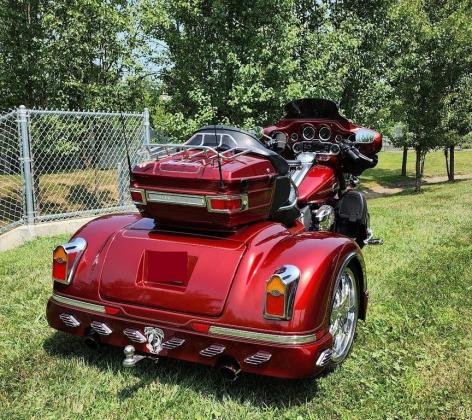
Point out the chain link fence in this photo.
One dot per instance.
(62, 164)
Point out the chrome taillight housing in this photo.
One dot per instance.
(227, 203)
(280, 293)
(65, 259)
(138, 195)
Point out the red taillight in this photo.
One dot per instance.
(227, 203)
(280, 293)
(59, 264)
(65, 259)
(138, 196)
(275, 305)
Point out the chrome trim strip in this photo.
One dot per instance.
(171, 198)
(258, 336)
(79, 303)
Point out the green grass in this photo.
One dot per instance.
(387, 172)
(412, 357)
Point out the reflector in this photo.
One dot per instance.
(138, 196)
(227, 203)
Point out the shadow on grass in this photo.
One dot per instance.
(257, 390)
(407, 189)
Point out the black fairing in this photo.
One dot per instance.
(313, 108)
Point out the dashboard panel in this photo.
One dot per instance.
(298, 131)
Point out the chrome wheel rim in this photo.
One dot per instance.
(344, 313)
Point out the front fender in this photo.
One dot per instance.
(319, 256)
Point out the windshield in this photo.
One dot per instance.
(226, 137)
(210, 140)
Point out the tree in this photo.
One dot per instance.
(228, 61)
(425, 69)
(401, 138)
(71, 54)
(21, 68)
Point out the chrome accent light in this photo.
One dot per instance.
(324, 357)
(213, 350)
(173, 343)
(258, 358)
(265, 337)
(134, 335)
(101, 328)
(69, 320)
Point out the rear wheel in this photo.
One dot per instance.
(344, 315)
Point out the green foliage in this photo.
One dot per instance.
(73, 54)
(432, 48)
(229, 60)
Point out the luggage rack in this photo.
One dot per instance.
(182, 151)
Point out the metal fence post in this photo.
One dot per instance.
(27, 172)
(147, 126)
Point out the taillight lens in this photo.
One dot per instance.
(227, 203)
(138, 196)
(59, 264)
(280, 293)
(65, 259)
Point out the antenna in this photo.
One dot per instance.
(222, 184)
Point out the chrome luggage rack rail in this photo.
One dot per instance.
(182, 152)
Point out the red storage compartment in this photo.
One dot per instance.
(196, 187)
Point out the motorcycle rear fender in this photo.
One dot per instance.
(97, 233)
(320, 256)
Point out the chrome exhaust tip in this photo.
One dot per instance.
(229, 370)
(92, 340)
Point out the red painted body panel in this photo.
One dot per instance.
(319, 185)
(109, 269)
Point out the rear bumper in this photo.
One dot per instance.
(295, 358)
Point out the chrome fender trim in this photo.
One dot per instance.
(265, 337)
(78, 303)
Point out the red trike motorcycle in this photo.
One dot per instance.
(245, 253)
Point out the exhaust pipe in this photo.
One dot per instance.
(230, 370)
(92, 340)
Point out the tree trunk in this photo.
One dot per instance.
(404, 160)
(450, 173)
(446, 156)
(418, 170)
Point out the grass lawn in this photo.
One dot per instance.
(412, 357)
(387, 172)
